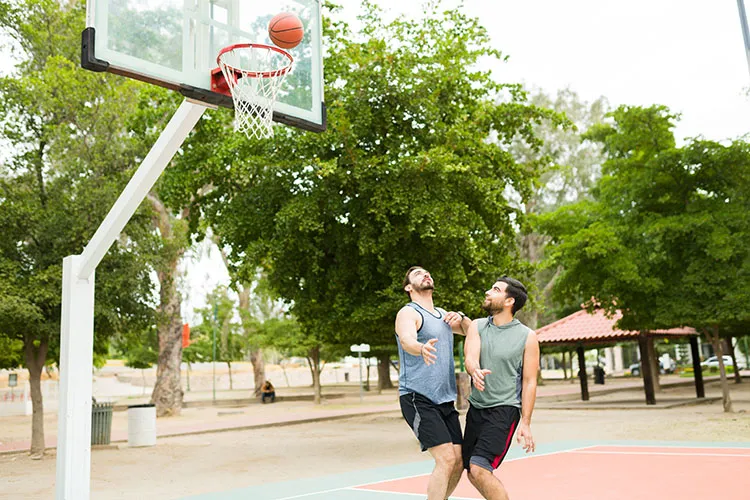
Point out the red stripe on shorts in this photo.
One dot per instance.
(496, 462)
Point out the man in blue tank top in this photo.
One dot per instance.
(502, 357)
(427, 380)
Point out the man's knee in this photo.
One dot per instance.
(446, 458)
(477, 472)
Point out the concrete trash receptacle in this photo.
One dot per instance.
(142, 425)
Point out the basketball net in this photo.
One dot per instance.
(254, 74)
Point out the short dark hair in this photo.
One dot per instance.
(406, 279)
(516, 290)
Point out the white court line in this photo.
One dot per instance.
(357, 486)
(593, 452)
(420, 495)
(671, 447)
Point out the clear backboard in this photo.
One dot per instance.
(174, 44)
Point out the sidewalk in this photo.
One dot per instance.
(235, 410)
(15, 432)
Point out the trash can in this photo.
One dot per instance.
(142, 425)
(599, 375)
(101, 423)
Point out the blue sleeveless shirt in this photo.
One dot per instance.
(436, 382)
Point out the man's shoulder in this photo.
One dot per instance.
(526, 329)
(408, 310)
(482, 322)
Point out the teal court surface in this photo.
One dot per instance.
(643, 470)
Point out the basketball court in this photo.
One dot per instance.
(265, 60)
(565, 471)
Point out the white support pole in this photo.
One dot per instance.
(745, 29)
(76, 363)
(73, 475)
(170, 140)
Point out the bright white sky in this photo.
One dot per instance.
(686, 54)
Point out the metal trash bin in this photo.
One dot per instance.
(599, 375)
(101, 423)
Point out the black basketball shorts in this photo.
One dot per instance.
(488, 435)
(432, 424)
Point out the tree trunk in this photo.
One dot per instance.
(716, 342)
(384, 371)
(35, 358)
(310, 364)
(286, 377)
(259, 369)
(730, 349)
(256, 353)
(167, 394)
(565, 368)
(231, 384)
(188, 377)
(314, 358)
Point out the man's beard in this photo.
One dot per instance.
(424, 286)
(491, 308)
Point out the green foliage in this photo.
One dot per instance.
(413, 169)
(568, 168)
(219, 320)
(66, 164)
(665, 238)
(141, 357)
(199, 350)
(11, 353)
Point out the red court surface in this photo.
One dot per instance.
(611, 473)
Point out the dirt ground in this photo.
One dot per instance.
(189, 465)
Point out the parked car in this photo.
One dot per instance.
(713, 361)
(664, 367)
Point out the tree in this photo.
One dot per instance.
(63, 170)
(171, 241)
(141, 358)
(664, 239)
(219, 320)
(569, 167)
(198, 351)
(406, 173)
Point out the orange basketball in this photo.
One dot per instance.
(286, 30)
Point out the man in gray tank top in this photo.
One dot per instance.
(502, 357)
(427, 380)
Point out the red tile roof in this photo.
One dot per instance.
(596, 327)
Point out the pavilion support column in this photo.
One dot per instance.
(648, 385)
(582, 374)
(655, 365)
(697, 370)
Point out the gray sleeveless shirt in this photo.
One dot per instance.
(436, 382)
(502, 353)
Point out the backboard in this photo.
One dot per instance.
(174, 44)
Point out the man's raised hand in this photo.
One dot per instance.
(478, 378)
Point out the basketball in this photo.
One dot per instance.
(286, 30)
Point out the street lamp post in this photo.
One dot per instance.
(359, 349)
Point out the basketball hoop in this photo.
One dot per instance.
(253, 74)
